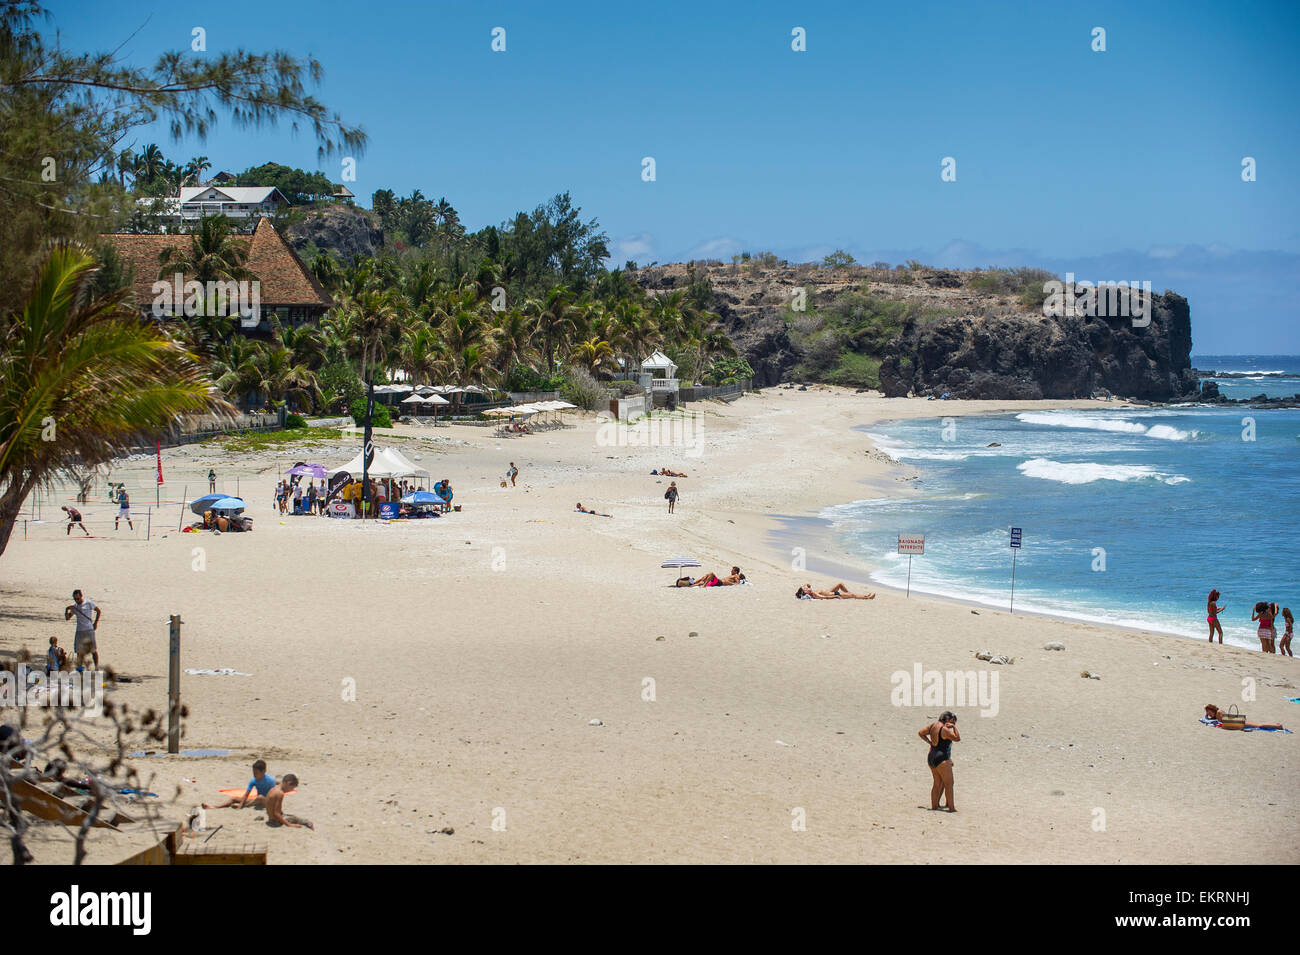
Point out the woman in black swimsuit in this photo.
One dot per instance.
(941, 734)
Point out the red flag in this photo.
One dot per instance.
(158, 445)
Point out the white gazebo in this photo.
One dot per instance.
(659, 374)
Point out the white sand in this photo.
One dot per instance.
(482, 644)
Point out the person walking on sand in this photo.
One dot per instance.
(212, 481)
(123, 510)
(512, 473)
(74, 517)
(941, 734)
(1284, 647)
(670, 496)
(87, 614)
(1212, 611)
(1265, 613)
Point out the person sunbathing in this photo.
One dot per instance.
(667, 473)
(1213, 712)
(838, 592)
(713, 580)
(587, 510)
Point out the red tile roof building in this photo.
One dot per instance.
(287, 288)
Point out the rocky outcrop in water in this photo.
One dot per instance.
(971, 336)
(1028, 356)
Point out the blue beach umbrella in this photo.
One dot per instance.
(422, 497)
(227, 504)
(204, 503)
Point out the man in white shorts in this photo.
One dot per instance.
(123, 510)
(87, 614)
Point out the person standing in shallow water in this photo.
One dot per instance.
(941, 734)
(1212, 611)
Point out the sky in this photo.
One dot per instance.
(1117, 164)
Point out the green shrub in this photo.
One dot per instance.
(295, 421)
(380, 418)
(582, 389)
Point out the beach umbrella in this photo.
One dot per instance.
(423, 497)
(413, 400)
(204, 503)
(308, 470)
(227, 504)
(677, 563)
(436, 400)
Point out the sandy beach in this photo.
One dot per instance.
(736, 724)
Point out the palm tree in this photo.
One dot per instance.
(82, 380)
(306, 344)
(557, 320)
(150, 164)
(421, 354)
(214, 254)
(592, 353)
(514, 341)
(280, 380)
(127, 162)
(195, 168)
(233, 367)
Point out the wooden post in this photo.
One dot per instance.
(184, 504)
(148, 525)
(174, 686)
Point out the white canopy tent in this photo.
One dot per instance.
(387, 463)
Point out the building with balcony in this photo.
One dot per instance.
(195, 202)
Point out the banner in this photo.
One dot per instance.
(368, 444)
(336, 484)
(158, 448)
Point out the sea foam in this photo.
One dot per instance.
(1085, 472)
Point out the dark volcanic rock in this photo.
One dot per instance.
(1030, 356)
(347, 231)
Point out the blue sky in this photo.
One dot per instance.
(1117, 165)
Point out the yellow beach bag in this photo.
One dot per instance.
(1232, 720)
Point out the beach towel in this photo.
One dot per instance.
(1293, 699)
(223, 671)
(236, 793)
(1249, 729)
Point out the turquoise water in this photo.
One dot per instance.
(1129, 516)
(1275, 376)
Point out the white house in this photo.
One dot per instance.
(235, 202)
(659, 374)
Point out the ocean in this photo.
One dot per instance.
(1129, 517)
(1249, 376)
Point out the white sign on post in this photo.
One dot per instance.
(911, 545)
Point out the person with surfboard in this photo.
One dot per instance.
(261, 782)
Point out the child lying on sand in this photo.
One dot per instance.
(838, 592)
